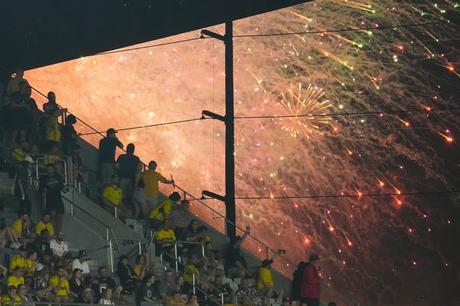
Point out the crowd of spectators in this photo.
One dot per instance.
(42, 269)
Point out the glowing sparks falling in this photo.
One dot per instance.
(309, 107)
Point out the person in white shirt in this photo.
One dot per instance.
(81, 262)
(58, 246)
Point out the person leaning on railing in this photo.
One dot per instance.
(160, 213)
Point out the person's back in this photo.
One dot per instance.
(311, 288)
(128, 166)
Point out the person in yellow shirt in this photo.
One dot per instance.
(11, 298)
(21, 225)
(18, 260)
(16, 278)
(190, 269)
(161, 212)
(264, 275)
(165, 238)
(30, 262)
(112, 193)
(53, 130)
(60, 285)
(151, 179)
(44, 223)
(112, 196)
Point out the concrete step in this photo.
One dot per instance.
(4, 175)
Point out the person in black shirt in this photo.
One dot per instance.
(42, 244)
(129, 168)
(125, 273)
(76, 284)
(148, 291)
(53, 199)
(107, 147)
(102, 282)
(69, 135)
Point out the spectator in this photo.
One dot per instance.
(40, 297)
(53, 156)
(125, 273)
(148, 291)
(53, 130)
(44, 223)
(107, 297)
(50, 106)
(160, 213)
(87, 296)
(30, 263)
(53, 198)
(16, 278)
(81, 263)
(176, 300)
(180, 217)
(139, 269)
(265, 279)
(224, 289)
(141, 209)
(310, 288)
(191, 271)
(104, 282)
(234, 261)
(246, 291)
(69, 135)
(18, 260)
(21, 226)
(58, 246)
(60, 286)
(151, 179)
(23, 293)
(191, 232)
(112, 195)
(42, 243)
(76, 284)
(107, 147)
(168, 286)
(16, 82)
(193, 301)
(165, 238)
(7, 235)
(11, 298)
(297, 280)
(129, 167)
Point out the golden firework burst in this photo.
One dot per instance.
(309, 108)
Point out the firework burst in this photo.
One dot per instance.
(309, 108)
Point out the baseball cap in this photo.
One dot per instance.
(82, 253)
(111, 131)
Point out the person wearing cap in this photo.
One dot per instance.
(107, 148)
(58, 245)
(81, 262)
(310, 288)
(16, 82)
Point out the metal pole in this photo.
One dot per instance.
(175, 258)
(194, 284)
(111, 255)
(229, 134)
(140, 248)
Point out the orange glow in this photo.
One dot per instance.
(447, 138)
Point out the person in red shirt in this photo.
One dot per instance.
(310, 287)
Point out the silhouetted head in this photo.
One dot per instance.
(175, 196)
(130, 148)
(71, 119)
(51, 96)
(153, 165)
(19, 73)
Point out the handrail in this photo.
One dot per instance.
(193, 197)
(84, 210)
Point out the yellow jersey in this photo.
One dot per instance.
(14, 281)
(17, 261)
(17, 227)
(151, 181)
(41, 226)
(113, 194)
(165, 234)
(265, 278)
(6, 300)
(166, 206)
(62, 287)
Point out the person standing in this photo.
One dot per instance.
(129, 167)
(310, 288)
(107, 147)
(151, 179)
